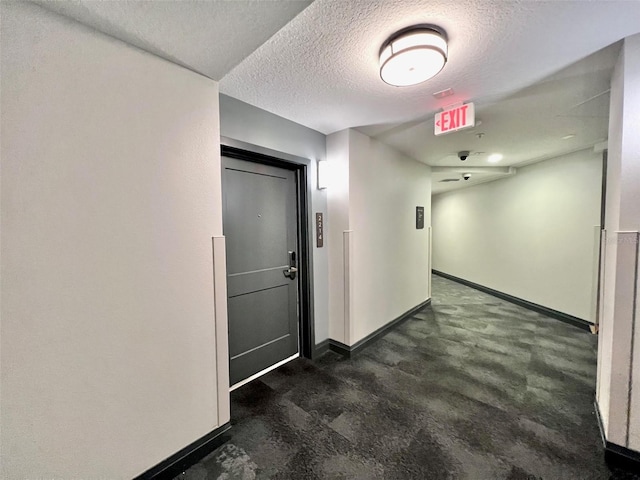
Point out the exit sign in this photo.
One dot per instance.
(454, 119)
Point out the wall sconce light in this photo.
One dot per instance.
(412, 56)
(323, 174)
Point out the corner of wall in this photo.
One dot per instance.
(379, 260)
(618, 345)
(336, 224)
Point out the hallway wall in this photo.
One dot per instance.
(531, 235)
(618, 388)
(110, 199)
(244, 122)
(388, 263)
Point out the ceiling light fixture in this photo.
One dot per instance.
(412, 56)
(494, 158)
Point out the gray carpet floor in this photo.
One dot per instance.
(472, 387)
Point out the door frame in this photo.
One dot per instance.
(232, 148)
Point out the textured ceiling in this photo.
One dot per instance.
(321, 69)
(525, 126)
(536, 70)
(210, 37)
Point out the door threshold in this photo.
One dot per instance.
(263, 372)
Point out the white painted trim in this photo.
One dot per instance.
(626, 272)
(430, 259)
(634, 311)
(595, 265)
(603, 256)
(349, 327)
(263, 372)
(221, 327)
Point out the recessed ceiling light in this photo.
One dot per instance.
(412, 56)
(494, 158)
(567, 137)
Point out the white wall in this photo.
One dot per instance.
(530, 235)
(631, 215)
(618, 388)
(390, 258)
(244, 122)
(110, 199)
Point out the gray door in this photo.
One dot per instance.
(260, 226)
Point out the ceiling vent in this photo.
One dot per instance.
(449, 180)
(443, 93)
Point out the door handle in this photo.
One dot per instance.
(292, 270)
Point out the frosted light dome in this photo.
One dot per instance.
(412, 56)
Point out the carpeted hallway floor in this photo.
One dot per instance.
(470, 388)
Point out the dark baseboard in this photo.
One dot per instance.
(622, 458)
(350, 350)
(340, 348)
(549, 312)
(188, 456)
(321, 349)
(615, 455)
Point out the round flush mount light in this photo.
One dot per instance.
(412, 56)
